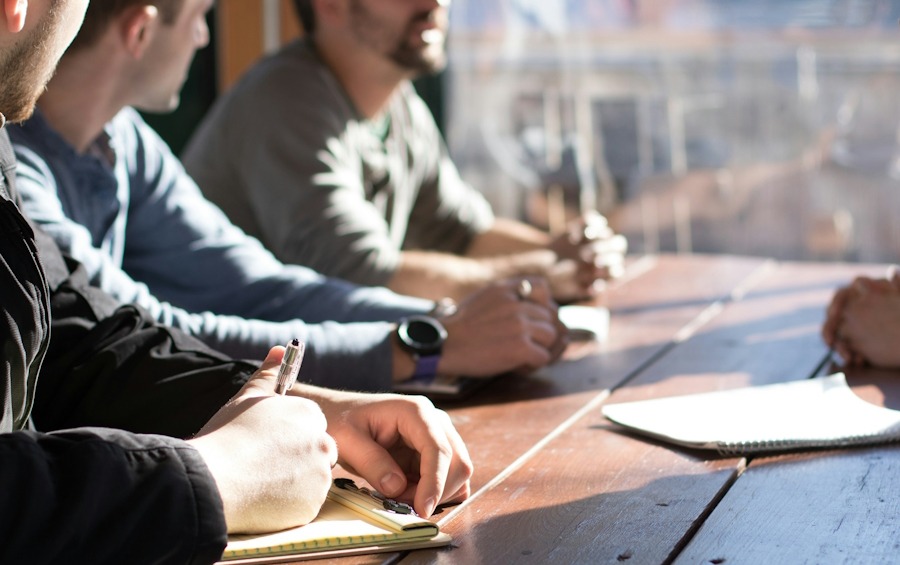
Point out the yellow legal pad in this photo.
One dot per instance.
(350, 522)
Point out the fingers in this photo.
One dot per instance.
(272, 360)
(501, 328)
(445, 466)
(562, 341)
(608, 254)
(360, 453)
(611, 245)
(542, 325)
(263, 380)
(535, 290)
(833, 316)
(593, 225)
(866, 285)
(861, 289)
(587, 254)
(844, 349)
(433, 471)
(407, 448)
(286, 457)
(582, 232)
(538, 310)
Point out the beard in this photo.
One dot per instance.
(429, 59)
(377, 35)
(26, 68)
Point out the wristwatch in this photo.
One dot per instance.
(423, 337)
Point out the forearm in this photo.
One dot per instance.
(348, 355)
(353, 356)
(167, 383)
(439, 275)
(129, 373)
(345, 328)
(508, 236)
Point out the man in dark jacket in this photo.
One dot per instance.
(104, 495)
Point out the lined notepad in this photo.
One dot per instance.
(348, 523)
(812, 413)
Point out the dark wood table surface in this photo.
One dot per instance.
(555, 482)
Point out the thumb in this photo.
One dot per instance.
(361, 454)
(263, 380)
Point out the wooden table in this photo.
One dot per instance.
(557, 482)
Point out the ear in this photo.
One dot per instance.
(15, 10)
(136, 28)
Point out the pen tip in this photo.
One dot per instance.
(295, 341)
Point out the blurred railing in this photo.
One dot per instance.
(729, 127)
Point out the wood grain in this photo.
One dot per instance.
(557, 483)
(833, 507)
(512, 414)
(594, 494)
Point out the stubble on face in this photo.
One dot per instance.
(377, 33)
(28, 66)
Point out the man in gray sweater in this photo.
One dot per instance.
(105, 494)
(100, 181)
(325, 153)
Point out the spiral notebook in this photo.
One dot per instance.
(813, 413)
(352, 521)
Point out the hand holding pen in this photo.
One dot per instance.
(290, 366)
(280, 482)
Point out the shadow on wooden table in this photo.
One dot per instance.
(602, 528)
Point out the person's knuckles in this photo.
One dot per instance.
(536, 356)
(462, 468)
(328, 447)
(516, 326)
(416, 413)
(418, 403)
(371, 460)
(545, 335)
(308, 411)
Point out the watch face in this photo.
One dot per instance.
(422, 334)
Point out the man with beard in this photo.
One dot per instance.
(325, 153)
(103, 184)
(101, 494)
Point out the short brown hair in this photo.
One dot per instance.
(101, 13)
(306, 14)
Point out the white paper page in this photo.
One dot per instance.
(809, 412)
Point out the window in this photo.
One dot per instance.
(763, 127)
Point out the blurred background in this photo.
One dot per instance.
(757, 127)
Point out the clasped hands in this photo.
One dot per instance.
(588, 254)
(863, 321)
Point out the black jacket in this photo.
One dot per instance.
(78, 491)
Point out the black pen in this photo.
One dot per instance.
(290, 366)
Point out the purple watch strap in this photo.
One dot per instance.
(426, 366)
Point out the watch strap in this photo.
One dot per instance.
(426, 365)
